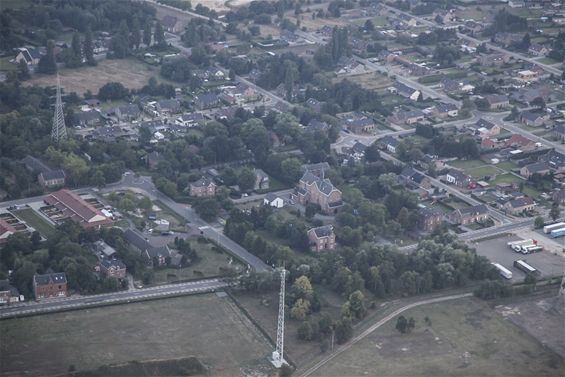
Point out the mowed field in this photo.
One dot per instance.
(132, 73)
(206, 326)
(465, 338)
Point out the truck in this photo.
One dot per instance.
(503, 271)
(531, 249)
(526, 268)
(548, 228)
(513, 244)
(557, 233)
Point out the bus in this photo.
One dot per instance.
(548, 228)
(503, 271)
(557, 233)
(524, 267)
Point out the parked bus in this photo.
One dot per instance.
(503, 271)
(557, 233)
(523, 266)
(548, 228)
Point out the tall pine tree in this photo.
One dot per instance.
(88, 47)
(147, 33)
(47, 63)
(135, 33)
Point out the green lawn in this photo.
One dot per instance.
(208, 265)
(482, 171)
(35, 221)
(548, 61)
(506, 178)
(530, 191)
(506, 165)
(466, 164)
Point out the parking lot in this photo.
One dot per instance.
(549, 262)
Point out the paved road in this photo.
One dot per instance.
(75, 301)
(377, 325)
(144, 185)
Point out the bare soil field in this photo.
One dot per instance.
(208, 327)
(132, 73)
(464, 338)
(318, 23)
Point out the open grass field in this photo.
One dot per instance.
(506, 178)
(132, 73)
(466, 164)
(208, 327)
(371, 81)
(35, 221)
(482, 171)
(208, 264)
(465, 338)
(506, 165)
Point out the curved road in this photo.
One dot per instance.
(381, 322)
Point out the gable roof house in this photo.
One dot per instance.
(207, 101)
(533, 118)
(30, 55)
(538, 50)
(171, 24)
(168, 106)
(46, 176)
(87, 118)
(189, 119)
(445, 110)
(458, 178)
(313, 189)
(50, 285)
(520, 205)
(127, 112)
(317, 125)
(497, 101)
(468, 215)
(489, 60)
(154, 255)
(405, 91)
(412, 177)
(321, 238)
(273, 200)
(520, 142)
(555, 160)
(318, 169)
(6, 230)
(540, 168)
(559, 131)
(485, 128)
(429, 218)
(407, 116)
(202, 188)
(389, 143)
(314, 104)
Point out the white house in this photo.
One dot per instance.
(273, 200)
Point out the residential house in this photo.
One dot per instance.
(559, 132)
(520, 205)
(429, 218)
(313, 189)
(317, 125)
(412, 177)
(559, 196)
(207, 101)
(6, 230)
(361, 126)
(540, 168)
(104, 249)
(127, 112)
(538, 50)
(469, 215)
(86, 118)
(528, 75)
(261, 180)
(52, 178)
(357, 151)
(488, 144)
(497, 101)
(8, 293)
(314, 105)
(528, 94)
(112, 268)
(168, 106)
(214, 73)
(273, 200)
(404, 91)
(533, 118)
(389, 143)
(454, 86)
(50, 285)
(490, 60)
(458, 178)
(171, 24)
(190, 119)
(445, 110)
(407, 116)
(29, 55)
(318, 169)
(486, 129)
(321, 238)
(78, 210)
(203, 188)
(555, 160)
(520, 142)
(154, 255)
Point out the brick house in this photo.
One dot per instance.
(6, 230)
(8, 293)
(52, 178)
(321, 238)
(313, 189)
(50, 285)
(520, 205)
(112, 268)
(484, 128)
(203, 188)
(429, 218)
(497, 101)
(412, 177)
(536, 168)
(520, 142)
(468, 215)
(458, 178)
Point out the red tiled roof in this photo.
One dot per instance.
(76, 208)
(5, 227)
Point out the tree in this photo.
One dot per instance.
(539, 222)
(302, 288)
(305, 331)
(147, 33)
(291, 169)
(411, 324)
(300, 309)
(246, 179)
(112, 91)
(47, 62)
(372, 153)
(310, 210)
(555, 211)
(135, 33)
(369, 26)
(88, 48)
(208, 209)
(343, 330)
(119, 45)
(159, 35)
(539, 102)
(401, 324)
(357, 304)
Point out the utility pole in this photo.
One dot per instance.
(59, 131)
(277, 358)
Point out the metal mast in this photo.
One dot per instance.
(278, 354)
(59, 131)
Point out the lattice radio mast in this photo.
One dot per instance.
(59, 131)
(278, 355)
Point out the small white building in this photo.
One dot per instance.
(273, 200)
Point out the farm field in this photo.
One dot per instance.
(465, 338)
(132, 73)
(208, 327)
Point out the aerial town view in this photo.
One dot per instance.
(282, 188)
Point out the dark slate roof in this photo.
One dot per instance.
(87, 116)
(129, 109)
(358, 147)
(35, 164)
(169, 104)
(404, 89)
(445, 107)
(531, 115)
(5, 286)
(108, 263)
(457, 174)
(554, 159)
(323, 231)
(537, 167)
(315, 124)
(389, 140)
(480, 209)
(53, 174)
(521, 202)
(136, 239)
(496, 98)
(54, 278)
(202, 182)
(560, 129)
(483, 123)
(169, 21)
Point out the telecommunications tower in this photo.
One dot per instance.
(277, 357)
(59, 131)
